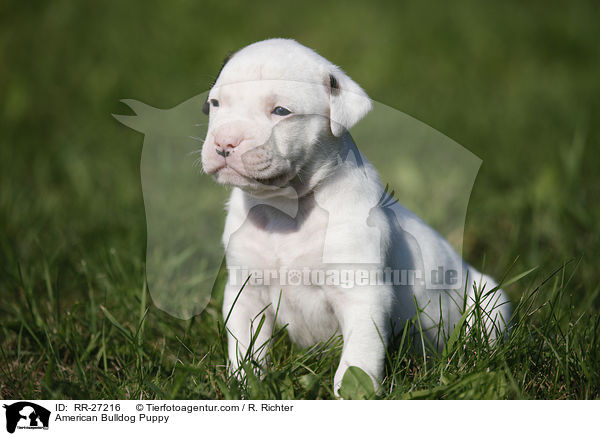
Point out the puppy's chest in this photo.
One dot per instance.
(269, 238)
(270, 242)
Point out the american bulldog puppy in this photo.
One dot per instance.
(309, 221)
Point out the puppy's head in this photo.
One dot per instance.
(276, 113)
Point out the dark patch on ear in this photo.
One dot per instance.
(206, 107)
(334, 85)
(227, 59)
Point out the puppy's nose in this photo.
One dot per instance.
(226, 139)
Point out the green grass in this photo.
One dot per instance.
(514, 83)
(122, 347)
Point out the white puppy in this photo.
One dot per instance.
(307, 213)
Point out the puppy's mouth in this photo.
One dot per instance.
(228, 175)
(278, 180)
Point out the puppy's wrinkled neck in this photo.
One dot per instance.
(332, 157)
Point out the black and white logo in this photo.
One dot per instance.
(26, 415)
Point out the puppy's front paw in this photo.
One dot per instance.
(353, 383)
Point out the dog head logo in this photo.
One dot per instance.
(26, 415)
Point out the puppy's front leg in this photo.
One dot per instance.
(364, 316)
(245, 342)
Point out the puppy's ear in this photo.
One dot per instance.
(348, 102)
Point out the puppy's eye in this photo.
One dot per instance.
(281, 111)
(207, 103)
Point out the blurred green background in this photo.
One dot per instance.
(517, 83)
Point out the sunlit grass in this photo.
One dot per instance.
(516, 84)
